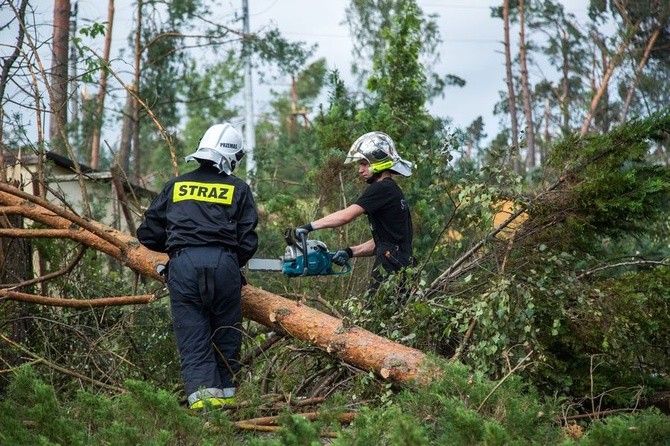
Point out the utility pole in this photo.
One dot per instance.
(250, 130)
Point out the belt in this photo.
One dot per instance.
(177, 252)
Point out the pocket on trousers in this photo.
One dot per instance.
(390, 255)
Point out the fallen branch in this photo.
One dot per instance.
(596, 415)
(664, 262)
(77, 303)
(271, 340)
(346, 417)
(263, 428)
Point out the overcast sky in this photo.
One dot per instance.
(471, 47)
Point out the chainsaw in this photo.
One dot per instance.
(301, 258)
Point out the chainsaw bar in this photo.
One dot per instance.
(265, 264)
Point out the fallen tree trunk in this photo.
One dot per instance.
(353, 345)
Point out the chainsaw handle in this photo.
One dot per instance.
(302, 238)
(347, 266)
(288, 237)
(346, 270)
(299, 240)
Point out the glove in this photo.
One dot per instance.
(302, 231)
(162, 270)
(342, 256)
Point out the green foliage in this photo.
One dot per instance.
(544, 291)
(458, 407)
(399, 78)
(32, 414)
(93, 64)
(648, 428)
(615, 190)
(272, 47)
(143, 415)
(113, 344)
(371, 21)
(384, 427)
(209, 91)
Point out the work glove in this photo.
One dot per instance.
(342, 256)
(302, 231)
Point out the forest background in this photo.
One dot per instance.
(542, 283)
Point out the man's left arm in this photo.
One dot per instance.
(339, 218)
(152, 233)
(247, 221)
(365, 249)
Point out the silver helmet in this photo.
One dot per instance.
(377, 148)
(222, 145)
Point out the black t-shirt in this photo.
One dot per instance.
(388, 213)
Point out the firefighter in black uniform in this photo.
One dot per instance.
(383, 202)
(205, 220)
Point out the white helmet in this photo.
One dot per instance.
(377, 148)
(222, 145)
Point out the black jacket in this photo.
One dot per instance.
(202, 208)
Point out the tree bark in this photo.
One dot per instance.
(525, 89)
(102, 90)
(127, 132)
(136, 89)
(358, 347)
(59, 74)
(604, 82)
(636, 76)
(511, 95)
(564, 97)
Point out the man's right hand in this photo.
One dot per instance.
(342, 256)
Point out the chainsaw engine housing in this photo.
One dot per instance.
(319, 260)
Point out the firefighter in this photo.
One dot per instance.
(384, 204)
(205, 220)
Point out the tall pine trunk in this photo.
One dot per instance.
(136, 89)
(511, 95)
(636, 77)
(59, 74)
(608, 70)
(102, 90)
(525, 89)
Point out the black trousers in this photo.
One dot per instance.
(388, 260)
(205, 297)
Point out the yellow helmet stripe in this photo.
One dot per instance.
(381, 166)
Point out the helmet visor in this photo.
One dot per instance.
(205, 154)
(402, 167)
